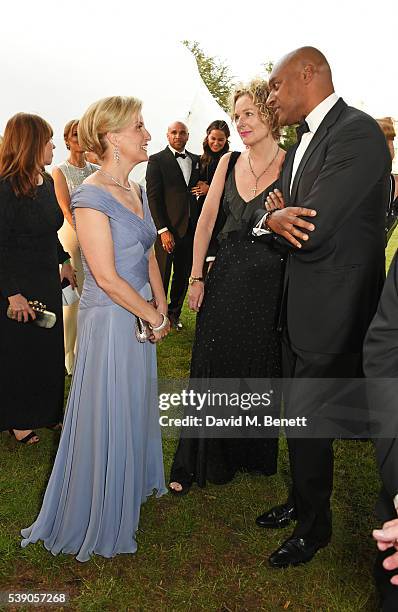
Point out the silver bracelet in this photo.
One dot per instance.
(163, 324)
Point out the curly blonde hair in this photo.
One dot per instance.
(387, 125)
(258, 90)
(110, 114)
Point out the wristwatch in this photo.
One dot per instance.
(194, 279)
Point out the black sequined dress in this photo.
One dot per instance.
(235, 337)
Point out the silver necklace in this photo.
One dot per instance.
(80, 169)
(114, 180)
(254, 189)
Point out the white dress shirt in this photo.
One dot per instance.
(186, 169)
(314, 120)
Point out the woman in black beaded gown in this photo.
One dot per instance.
(236, 333)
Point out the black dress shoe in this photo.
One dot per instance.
(295, 551)
(277, 517)
(175, 322)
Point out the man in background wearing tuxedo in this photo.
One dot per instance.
(170, 177)
(334, 184)
(381, 368)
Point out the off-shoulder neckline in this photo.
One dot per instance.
(108, 193)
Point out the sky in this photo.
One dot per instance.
(358, 40)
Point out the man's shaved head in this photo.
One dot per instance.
(299, 82)
(177, 135)
(305, 56)
(177, 125)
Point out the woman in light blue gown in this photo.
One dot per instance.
(110, 456)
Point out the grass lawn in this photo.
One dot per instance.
(203, 551)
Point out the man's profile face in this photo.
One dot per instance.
(178, 135)
(286, 95)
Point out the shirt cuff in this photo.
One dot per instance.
(210, 258)
(395, 500)
(258, 230)
(164, 229)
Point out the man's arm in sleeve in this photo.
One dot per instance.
(155, 194)
(381, 369)
(355, 161)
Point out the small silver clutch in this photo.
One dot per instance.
(44, 318)
(143, 331)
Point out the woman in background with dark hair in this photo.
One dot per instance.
(215, 145)
(31, 358)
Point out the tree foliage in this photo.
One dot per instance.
(288, 132)
(215, 74)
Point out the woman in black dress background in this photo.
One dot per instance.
(215, 145)
(31, 358)
(236, 333)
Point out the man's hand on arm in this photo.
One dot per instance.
(287, 223)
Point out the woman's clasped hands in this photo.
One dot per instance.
(20, 308)
(162, 326)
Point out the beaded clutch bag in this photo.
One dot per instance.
(142, 330)
(44, 318)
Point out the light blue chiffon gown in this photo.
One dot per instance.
(109, 458)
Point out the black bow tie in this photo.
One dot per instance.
(302, 129)
(177, 155)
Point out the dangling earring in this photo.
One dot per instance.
(116, 154)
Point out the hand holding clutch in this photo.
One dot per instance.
(143, 332)
(42, 317)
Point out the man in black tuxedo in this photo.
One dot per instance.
(170, 177)
(334, 183)
(381, 368)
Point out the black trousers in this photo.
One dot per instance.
(311, 458)
(181, 262)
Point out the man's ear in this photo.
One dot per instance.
(308, 73)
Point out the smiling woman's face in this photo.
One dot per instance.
(216, 140)
(133, 140)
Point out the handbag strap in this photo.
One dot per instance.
(231, 162)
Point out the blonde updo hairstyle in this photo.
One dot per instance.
(258, 90)
(110, 114)
(68, 130)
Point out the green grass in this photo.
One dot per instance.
(203, 551)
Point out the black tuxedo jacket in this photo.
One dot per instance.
(381, 362)
(333, 282)
(170, 199)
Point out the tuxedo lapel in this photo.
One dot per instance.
(319, 135)
(287, 173)
(316, 140)
(193, 179)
